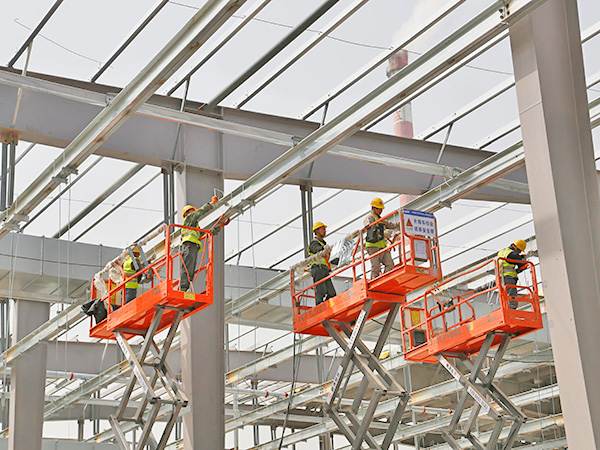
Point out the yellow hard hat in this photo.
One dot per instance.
(377, 203)
(318, 225)
(520, 244)
(135, 249)
(187, 209)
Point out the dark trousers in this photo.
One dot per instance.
(189, 255)
(130, 294)
(511, 290)
(325, 289)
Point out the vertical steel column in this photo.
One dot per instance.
(11, 172)
(166, 196)
(559, 155)
(4, 174)
(306, 236)
(202, 334)
(28, 381)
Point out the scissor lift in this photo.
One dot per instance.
(448, 327)
(162, 306)
(344, 316)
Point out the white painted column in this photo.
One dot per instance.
(28, 380)
(202, 334)
(555, 123)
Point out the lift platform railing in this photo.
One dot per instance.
(415, 253)
(450, 323)
(159, 285)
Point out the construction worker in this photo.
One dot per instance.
(319, 265)
(191, 243)
(509, 270)
(376, 241)
(131, 267)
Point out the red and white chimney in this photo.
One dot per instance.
(403, 124)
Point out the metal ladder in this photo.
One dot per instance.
(481, 389)
(152, 406)
(355, 428)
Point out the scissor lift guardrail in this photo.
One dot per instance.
(447, 327)
(344, 316)
(161, 307)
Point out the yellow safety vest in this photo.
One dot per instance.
(191, 236)
(321, 260)
(381, 225)
(507, 269)
(129, 270)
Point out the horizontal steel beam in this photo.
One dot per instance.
(147, 141)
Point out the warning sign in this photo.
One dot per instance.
(419, 223)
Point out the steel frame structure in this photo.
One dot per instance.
(475, 178)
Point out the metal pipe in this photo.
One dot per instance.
(129, 39)
(20, 92)
(304, 221)
(69, 186)
(117, 206)
(22, 155)
(3, 176)
(166, 197)
(275, 50)
(256, 392)
(34, 33)
(11, 172)
(98, 201)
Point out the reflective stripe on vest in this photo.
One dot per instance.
(191, 236)
(379, 244)
(507, 269)
(321, 260)
(129, 270)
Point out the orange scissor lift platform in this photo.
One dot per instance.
(417, 266)
(449, 328)
(466, 333)
(343, 317)
(161, 307)
(135, 317)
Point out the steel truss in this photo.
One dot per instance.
(148, 410)
(356, 429)
(481, 388)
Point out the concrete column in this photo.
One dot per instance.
(555, 124)
(28, 380)
(202, 334)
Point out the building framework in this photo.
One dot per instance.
(277, 384)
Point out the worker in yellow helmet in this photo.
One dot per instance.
(191, 240)
(319, 265)
(130, 267)
(375, 240)
(509, 270)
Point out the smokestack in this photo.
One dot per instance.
(403, 125)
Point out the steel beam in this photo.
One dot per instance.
(35, 32)
(202, 25)
(401, 43)
(271, 53)
(151, 14)
(240, 129)
(222, 39)
(565, 201)
(424, 71)
(301, 51)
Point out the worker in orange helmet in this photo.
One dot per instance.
(191, 240)
(319, 265)
(509, 270)
(375, 240)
